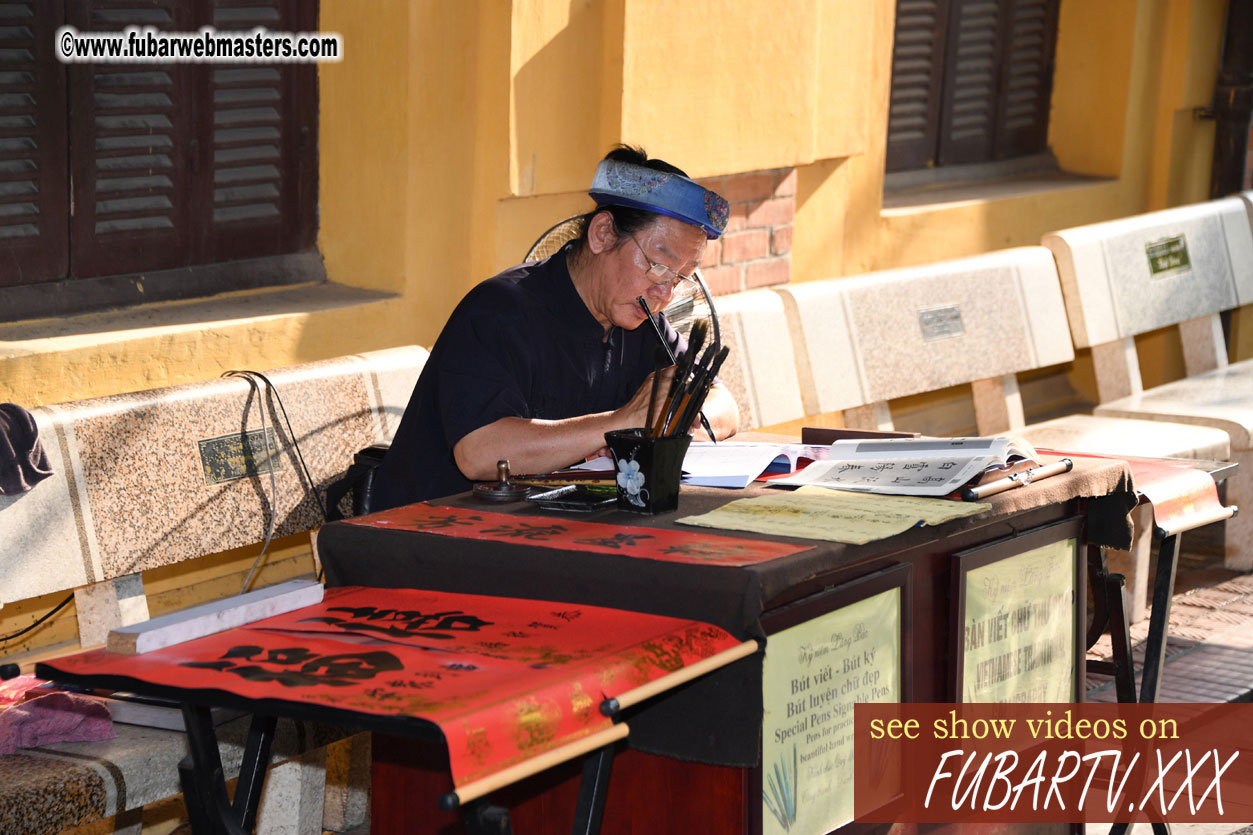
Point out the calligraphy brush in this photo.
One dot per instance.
(679, 385)
(686, 402)
(659, 357)
(661, 339)
(697, 337)
(707, 368)
(700, 330)
(684, 409)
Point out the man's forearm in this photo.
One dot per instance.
(541, 446)
(532, 446)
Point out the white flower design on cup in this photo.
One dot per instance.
(631, 480)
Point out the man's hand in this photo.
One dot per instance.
(634, 411)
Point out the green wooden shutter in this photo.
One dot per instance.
(971, 76)
(132, 148)
(917, 76)
(34, 190)
(971, 81)
(1029, 35)
(262, 120)
(179, 165)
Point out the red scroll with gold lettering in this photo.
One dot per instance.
(504, 679)
(574, 535)
(1177, 490)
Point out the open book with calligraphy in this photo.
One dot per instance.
(911, 466)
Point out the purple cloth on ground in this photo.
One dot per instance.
(23, 462)
(56, 717)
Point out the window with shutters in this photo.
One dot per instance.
(164, 170)
(970, 81)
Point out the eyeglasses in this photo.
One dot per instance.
(680, 285)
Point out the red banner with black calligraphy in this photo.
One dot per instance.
(573, 535)
(1177, 490)
(504, 679)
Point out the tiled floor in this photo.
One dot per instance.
(1209, 653)
(1209, 644)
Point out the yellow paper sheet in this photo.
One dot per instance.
(836, 515)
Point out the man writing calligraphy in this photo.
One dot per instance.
(538, 362)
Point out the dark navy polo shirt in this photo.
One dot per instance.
(520, 344)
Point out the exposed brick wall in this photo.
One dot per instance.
(755, 250)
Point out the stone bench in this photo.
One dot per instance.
(760, 371)
(1179, 268)
(159, 477)
(55, 787)
(867, 340)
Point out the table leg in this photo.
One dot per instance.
(204, 783)
(593, 789)
(1110, 610)
(1120, 639)
(1155, 643)
(1159, 618)
(252, 771)
(1098, 571)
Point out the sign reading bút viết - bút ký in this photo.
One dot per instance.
(812, 676)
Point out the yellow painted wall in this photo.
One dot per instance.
(565, 92)
(1092, 85)
(1128, 75)
(363, 133)
(755, 86)
(452, 134)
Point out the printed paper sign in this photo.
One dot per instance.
(1019, 632)
(812, 676)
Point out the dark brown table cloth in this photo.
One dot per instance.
(731, 597)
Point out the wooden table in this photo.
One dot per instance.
(694, 761)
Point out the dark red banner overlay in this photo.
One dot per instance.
(1177, 490)
(1053, 763)
(504, 679)
(572, 535)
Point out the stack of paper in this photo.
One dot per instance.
(731, 464)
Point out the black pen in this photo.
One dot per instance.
(648, 314)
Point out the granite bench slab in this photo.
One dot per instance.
(48, 789)
(156, 477)
(1136, 438)
(1222, 398)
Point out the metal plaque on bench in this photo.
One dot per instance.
(238, 455)
(1168, 256)
(940, 322)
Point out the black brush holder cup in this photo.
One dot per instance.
(648, 470)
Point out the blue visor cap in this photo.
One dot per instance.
(639, 187)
